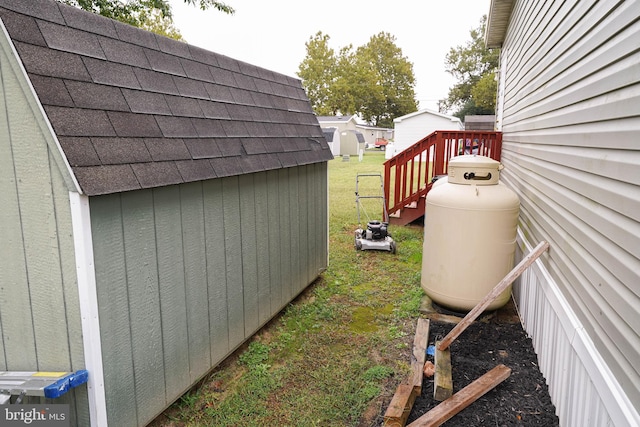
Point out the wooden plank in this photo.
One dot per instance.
(171, 281)
(419, 353)
(450, 407)
(497, 290)
(402, 402)
(442, 382)
(400, 406)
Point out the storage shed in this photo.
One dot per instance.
(412, 127)
(160, 203)
(332, 136)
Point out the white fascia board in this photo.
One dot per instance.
(87, 293)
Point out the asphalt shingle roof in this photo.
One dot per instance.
(134, 110)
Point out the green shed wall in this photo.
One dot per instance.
(185, 274)
(40, 327)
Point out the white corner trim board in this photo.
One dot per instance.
(80, 216)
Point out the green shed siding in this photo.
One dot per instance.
(197, 269)
(40, 327)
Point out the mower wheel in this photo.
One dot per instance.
(358, 245)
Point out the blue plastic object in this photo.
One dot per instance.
(66, 383)
(431, 350)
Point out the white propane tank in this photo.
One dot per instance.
(469, 234)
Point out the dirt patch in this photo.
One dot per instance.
(496, 338)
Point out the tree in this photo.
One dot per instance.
(389, 92)
(317, 70)
(374, 80)
(156, 23)
(152, 15)
(473, 65)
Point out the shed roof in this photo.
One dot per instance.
(426, 111)
(336, 119)
(134, 110)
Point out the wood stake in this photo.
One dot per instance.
(419, 354)
(497, 290)
(456, 403)
(442, 382)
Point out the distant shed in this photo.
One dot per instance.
(480, 122)
(160, 203)
(332, 135)
(412, 127)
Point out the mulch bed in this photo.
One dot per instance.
(496, 338)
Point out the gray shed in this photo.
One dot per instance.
(160, 203)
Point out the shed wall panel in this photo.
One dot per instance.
(570, 121)
(233, 252)
(249, 258)
(40, 325)
(194, 266)
(140, 252)
(305, 261)
(171, 281)
(15, 307)
(263, 264)
(216, 270)
(195, 275)
(273, 233)
(113, 308)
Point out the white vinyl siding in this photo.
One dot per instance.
(571, 150)
(412, 129)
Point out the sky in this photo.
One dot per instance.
(272, 34)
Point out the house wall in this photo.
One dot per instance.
(412, 129)
(569, 108)
(40, 327)
(185, 274)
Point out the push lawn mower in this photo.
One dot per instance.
(376, 235)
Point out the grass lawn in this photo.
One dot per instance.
(334, 356)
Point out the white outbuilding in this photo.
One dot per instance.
(412, 127)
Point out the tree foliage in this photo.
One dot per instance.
(152, 15)
(374, 81)
(473, 66)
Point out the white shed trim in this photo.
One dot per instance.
(87, 293)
